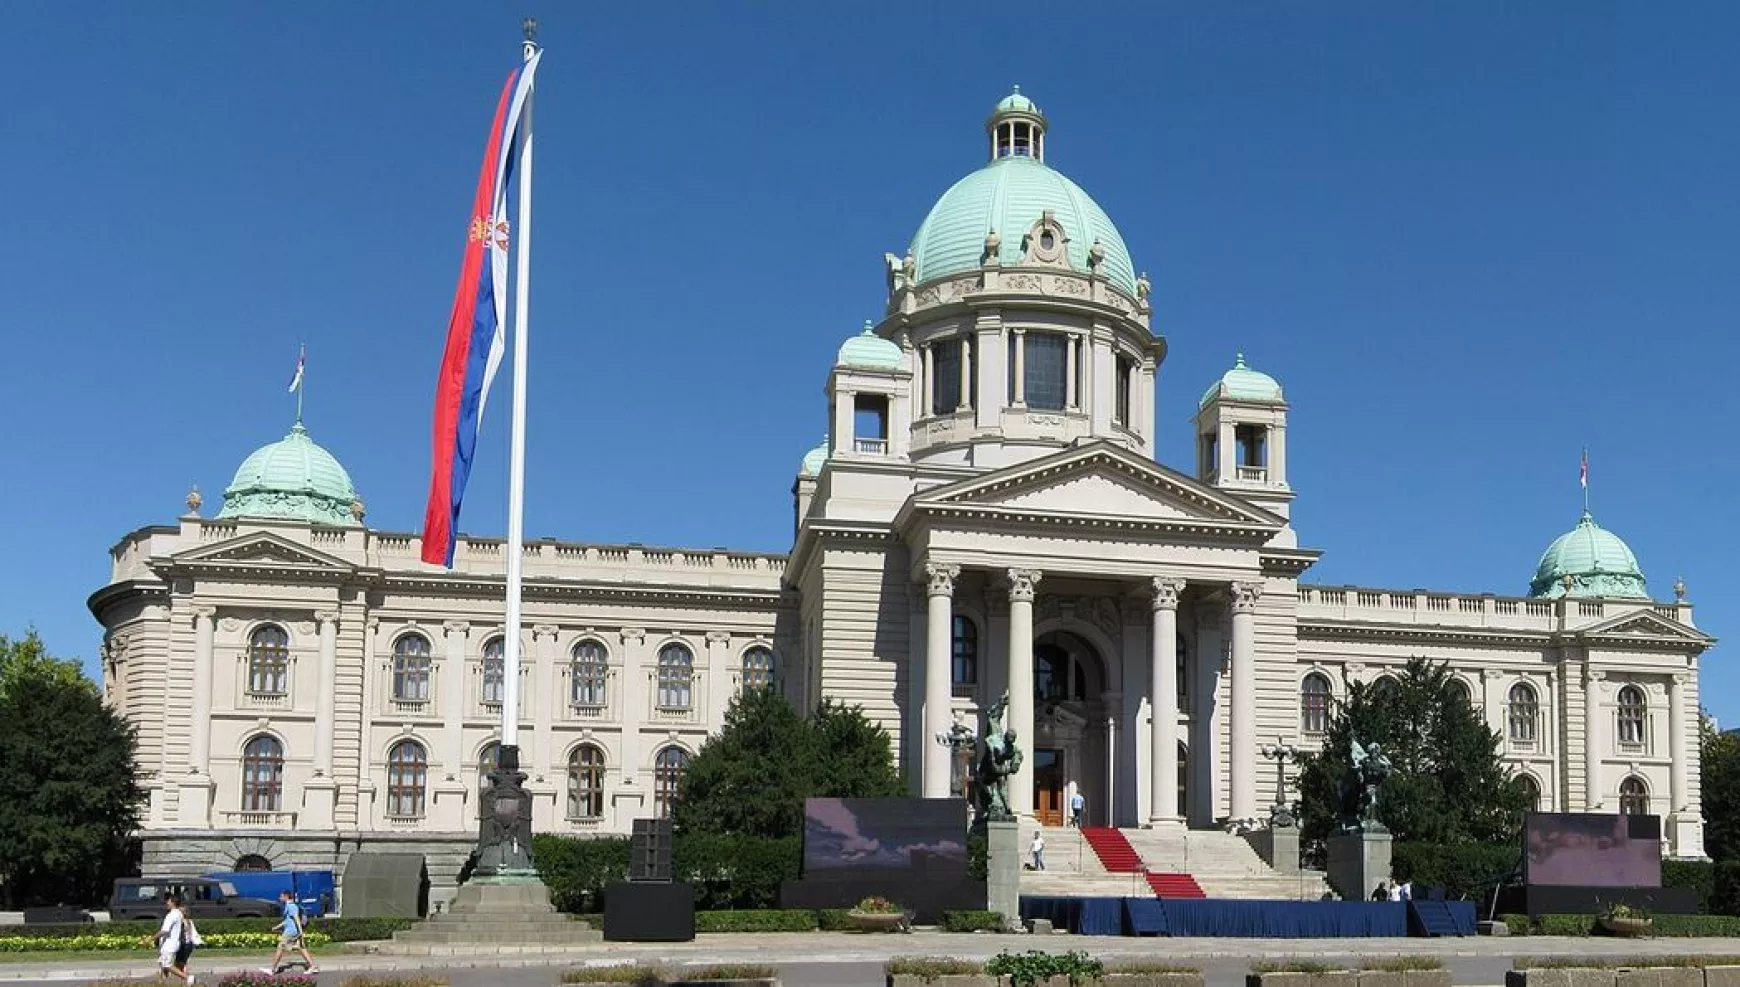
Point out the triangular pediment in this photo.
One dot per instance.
(260, 548)
(1644, 624)
(1100, 481)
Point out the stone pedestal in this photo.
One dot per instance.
(1003, 870)
(1358, 863)
(1278, 846)
(318, 799)
(500, 912)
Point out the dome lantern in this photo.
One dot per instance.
(1016, 128)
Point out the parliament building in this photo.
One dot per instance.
(985, 515)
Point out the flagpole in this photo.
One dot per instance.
(301, 379)
(510, 707)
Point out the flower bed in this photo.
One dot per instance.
(117, 942)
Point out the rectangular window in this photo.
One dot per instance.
(1046, 363)
(870, 423)
(945, 364)
(1121, 405)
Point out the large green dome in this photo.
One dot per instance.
(1008, 196)
(294, 479)
(1597, 562)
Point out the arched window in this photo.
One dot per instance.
(1633, 711)
(411, 665)
(1634, 797)
(407, 778)
(1456, 689)
(667, 772)
(676, 677)
(494, 671)
(487, 761)
(262, 774)
(586, 782)
(1056, 676)
(1385, 688)
(587, 673)
(1531, 793)
(1314, 704)
(1525, 714)
(757, 668)
(252, 863)
(965, 674)
(269, 661)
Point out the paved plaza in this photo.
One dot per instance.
(847, 960)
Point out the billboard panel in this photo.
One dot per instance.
(1592, 850)
(922, 835)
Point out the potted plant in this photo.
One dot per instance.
(1620, 919)
(878, 914)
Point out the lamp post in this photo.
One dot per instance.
(961, 741)
(1281, 752)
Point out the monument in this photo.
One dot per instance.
(999, 759)
(1359, 855)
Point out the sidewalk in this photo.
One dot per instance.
(848, 948)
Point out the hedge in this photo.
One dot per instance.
(973, 921)
(1463, 870)
(1698, 926)
(728, 872)
(757, 920)
(331, 929)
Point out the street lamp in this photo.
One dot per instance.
(1281, 752)
(961, 741)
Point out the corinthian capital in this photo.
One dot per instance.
(940, 578)
(1245, 597)
(1022, 583)
(1166, 590)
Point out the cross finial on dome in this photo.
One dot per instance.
(1239, 363)
(869, 328)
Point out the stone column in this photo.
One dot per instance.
(1677, 789)
(1020, 376)
(453, 687)
(634, 799)
(1163, 702)
(371, 684)
(966, 399)
(938, 681)
(542, 698)
(199, 756)
(1072, 399)
(1592, 796)
(925, 403)
(1111, 700)
(1022, 583)
(1243, 754)
(327, 692)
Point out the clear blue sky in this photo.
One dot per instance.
(1469, 237)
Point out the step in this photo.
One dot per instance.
(536, 937)
(1174, 885)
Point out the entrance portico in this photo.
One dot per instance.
(1029, 539)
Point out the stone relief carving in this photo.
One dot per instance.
(1066, 286)
(230, 624)
(1021, 282)
(1105, 611)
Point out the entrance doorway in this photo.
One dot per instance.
(1048, 786)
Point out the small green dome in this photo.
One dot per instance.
(292, 478)
(1241, 383)
(1007, 197)
(1597, 561)
(870, 352)
(814, 459)
(1017, 103)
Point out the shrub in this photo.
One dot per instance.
(1517, 924)
(1292, 966)
(1725, 888)
(111, 941)
(756, 920)
(1698, 875)
(1400, 964)
(635, 974)
(977, 867)
(928, 968)
(355, 929)
(254, 978)
(835, 920)
(1034, 967)
(335, 929)
(726, 971)
(1564, 925)
(973, 921)
(578, 870)
(735, 871)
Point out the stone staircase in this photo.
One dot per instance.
(492, 914)
(1223, 866)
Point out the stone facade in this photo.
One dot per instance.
(987, 515)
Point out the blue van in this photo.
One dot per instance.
(314, 890)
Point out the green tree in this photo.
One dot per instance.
(68, 796)
(751, 778)
(1719, 788)
(1448, 784)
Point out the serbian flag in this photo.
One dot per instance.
(475, 331)
(1583, 471)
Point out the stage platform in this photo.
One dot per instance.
(1241, 919)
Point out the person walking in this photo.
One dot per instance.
(1038, 850)
(290, 934)
(172, 945)
(1077, 808)
(190, 940)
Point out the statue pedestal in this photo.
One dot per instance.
(1358, 863)
(1278, 846)
(1003, 870)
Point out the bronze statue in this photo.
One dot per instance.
(1358, 792)
(1000, 759)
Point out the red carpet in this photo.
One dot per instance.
(1116, 854)
(1174, 886)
